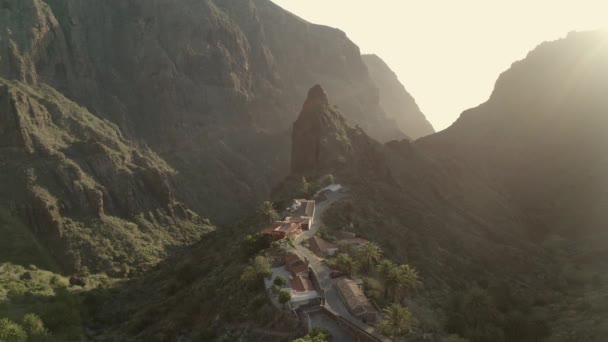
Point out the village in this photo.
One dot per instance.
(307, 280)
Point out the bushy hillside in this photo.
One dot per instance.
(203, 294)
(76, 193)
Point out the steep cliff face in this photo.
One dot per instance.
(87, 194)
(396, 101)
(323, 142)
(207, 84)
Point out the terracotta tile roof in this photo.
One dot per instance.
(354, 298)
(291, 258)
(301, 284)
(295, 265)
(298, 267)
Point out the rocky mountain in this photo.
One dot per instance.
(211, 86)
(76, 193)
(396, 101)
(116, 117)
(507, 205)
(322, 140)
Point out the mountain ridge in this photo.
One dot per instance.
(395, 99)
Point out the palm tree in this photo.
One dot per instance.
(267, 212)
(399, 280)
(394, 282)
(408, 279)
(346, 264)
(384, 267)
(369, 254)
(397, 322)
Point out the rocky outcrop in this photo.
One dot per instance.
(398, 104)
(65, 171)
(323, 142)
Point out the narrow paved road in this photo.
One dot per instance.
(332, 298)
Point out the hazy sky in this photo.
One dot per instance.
(449, 53)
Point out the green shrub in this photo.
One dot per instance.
(284, 297)
(280, 281)
(34, 327)
(316, 335)
(257, 271)
(11, 331)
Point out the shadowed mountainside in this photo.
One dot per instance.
(211, 86)
(542, 134)
(510, 200)
(396, 101)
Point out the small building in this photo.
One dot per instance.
(302, 222)
(303, 292)
(302, 289)
(356, 301)
(301, 284)
(322, 248)
(304, 210)
(295, 265)
(281, 230)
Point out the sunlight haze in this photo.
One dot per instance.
(448, 54)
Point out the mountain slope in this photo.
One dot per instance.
(547, 116)
(212, 86)
(396, 101)
(79, 191)
(507, 206)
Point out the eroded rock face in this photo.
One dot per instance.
(75, 181)
(206, 84)
(323, 142)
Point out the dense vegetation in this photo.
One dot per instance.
(483, 304)
(214, 291)
(77, 194)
